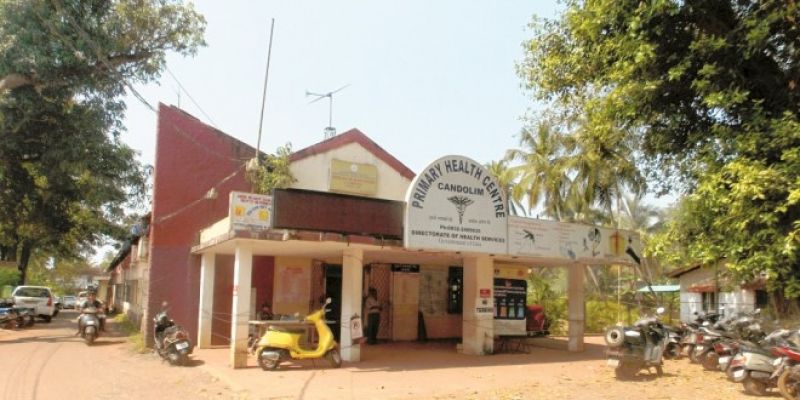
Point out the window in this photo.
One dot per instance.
(131, 292)
(710, 301)
(762, 298)
(32, 292)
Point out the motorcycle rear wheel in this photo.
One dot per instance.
(711, 361)
(334, 358)
(176, 358)
(692, 355)
(789, 385)
(754, 387)
(672, 352)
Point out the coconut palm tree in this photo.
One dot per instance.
(506, 178)
(542, 173)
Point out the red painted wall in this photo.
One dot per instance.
(263, 279)
(190, 159)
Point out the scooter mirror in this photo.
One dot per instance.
(660, 310)
(328, 301)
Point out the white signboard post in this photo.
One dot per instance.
(455, 204)
(250, 211)
(585, 244)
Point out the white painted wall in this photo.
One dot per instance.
(738, 300)
(690, 303)
(313, 172)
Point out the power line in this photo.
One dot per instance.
(214, 124)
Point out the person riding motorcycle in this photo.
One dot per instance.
(91, 302)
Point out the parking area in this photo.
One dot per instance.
(46, 361)
(435, 371)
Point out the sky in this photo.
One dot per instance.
(427, 78)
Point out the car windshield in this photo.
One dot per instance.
(32, 292)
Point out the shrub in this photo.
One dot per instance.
(135, 337)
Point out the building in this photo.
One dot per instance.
(129, 274)
(707, 288)
(439, 246)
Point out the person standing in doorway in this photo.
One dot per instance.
(373, 316)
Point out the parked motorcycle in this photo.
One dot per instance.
(632, 349)
(9, 319)
(787, 367)
(278, 345)
(693, 336)
(672, 351)
(25, 316)
(754, 367)
(171, 341)
(89, 324)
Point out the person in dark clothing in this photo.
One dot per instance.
(92, 302)
(373, 310)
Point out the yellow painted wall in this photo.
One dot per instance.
(292, 285)
(313, 172)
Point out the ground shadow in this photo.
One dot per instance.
(193, 362)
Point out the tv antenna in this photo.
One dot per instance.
(330, 131)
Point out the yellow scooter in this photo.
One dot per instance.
(278, 345)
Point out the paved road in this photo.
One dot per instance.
(47, 361)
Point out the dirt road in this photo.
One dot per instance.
(48, 362)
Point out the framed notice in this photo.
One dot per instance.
(250, 211)
(353, 178)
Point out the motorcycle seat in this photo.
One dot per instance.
(286, 329)
(756, 350)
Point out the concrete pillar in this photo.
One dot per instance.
(478, 312)
(352, 277)
(576, 307)
(207, 269)
(240, 312)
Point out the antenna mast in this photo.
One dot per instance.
(329, 131)
(264, 94)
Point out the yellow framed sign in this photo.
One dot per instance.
(353, 178)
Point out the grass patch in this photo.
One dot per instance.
(135, 337)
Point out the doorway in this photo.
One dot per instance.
(333, 289)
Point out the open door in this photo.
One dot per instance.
(333, 289)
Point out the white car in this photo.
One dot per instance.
(68, 302)
(39, 298)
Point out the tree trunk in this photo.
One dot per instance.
(22, 263)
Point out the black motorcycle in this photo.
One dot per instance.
(634, 348)
(171, 341)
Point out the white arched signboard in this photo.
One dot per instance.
(455, 204)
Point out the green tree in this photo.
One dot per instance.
(65, 177)
(542, 170)
(507, 178)
(708, 92)
(272, 172)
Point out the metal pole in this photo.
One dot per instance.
(264, 94)
(330, 110)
